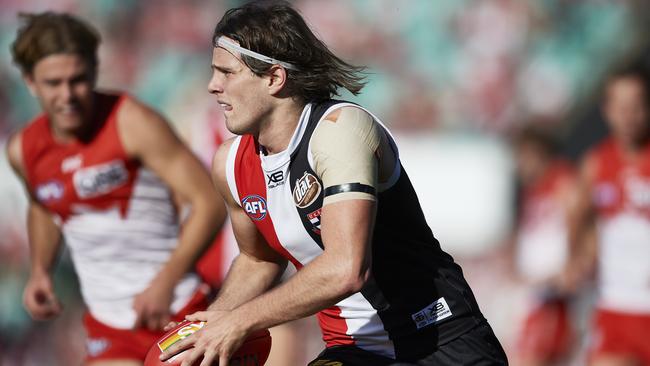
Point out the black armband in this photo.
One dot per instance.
(350, 187)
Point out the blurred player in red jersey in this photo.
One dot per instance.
(542, 246)
(615, 200)
(101, 170)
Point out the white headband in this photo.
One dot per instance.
(232, 46)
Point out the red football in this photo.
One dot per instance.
(254, 351)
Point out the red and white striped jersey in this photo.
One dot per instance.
(621, 196)
(416, 297)
(117, 218)
(542, 235)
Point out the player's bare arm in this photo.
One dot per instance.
(147, 137)
(44, 243)
(340, 271)
(254, 271)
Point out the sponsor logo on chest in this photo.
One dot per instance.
(255, 207)
(275, 179)
(306, 190)
(99, 179)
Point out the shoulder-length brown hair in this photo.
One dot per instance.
(278, 31)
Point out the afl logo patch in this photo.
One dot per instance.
(255, 207)
(306, 190)
(49, 191)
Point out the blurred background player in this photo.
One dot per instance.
(547, 191)
(101, 170)
(615, 200)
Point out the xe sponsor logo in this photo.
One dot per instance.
(255, 207)
(275, 179)
(306, 190)
(99, 179)
(433, 313)
(49, 191)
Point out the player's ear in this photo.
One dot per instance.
(28, 78)
(277, 78)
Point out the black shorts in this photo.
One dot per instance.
(478, 347)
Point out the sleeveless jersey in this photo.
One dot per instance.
(621, 196)
(416, 297)
(542, 238)
(117, 218)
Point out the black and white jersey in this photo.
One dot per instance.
(416, 298)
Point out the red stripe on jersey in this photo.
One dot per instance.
(334, 327)
(250, 182)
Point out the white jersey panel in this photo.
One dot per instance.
(291, 233)
(542, 249)
(117, 257)
(293, 237)
(365, 325)
(624, 262)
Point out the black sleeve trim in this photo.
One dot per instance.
(350, 187)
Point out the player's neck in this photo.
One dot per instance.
(82, 132)
(68, 136)
(276, 132)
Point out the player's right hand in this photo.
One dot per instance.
(39, 298)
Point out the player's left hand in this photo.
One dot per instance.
(152, 306)
(221, 336)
